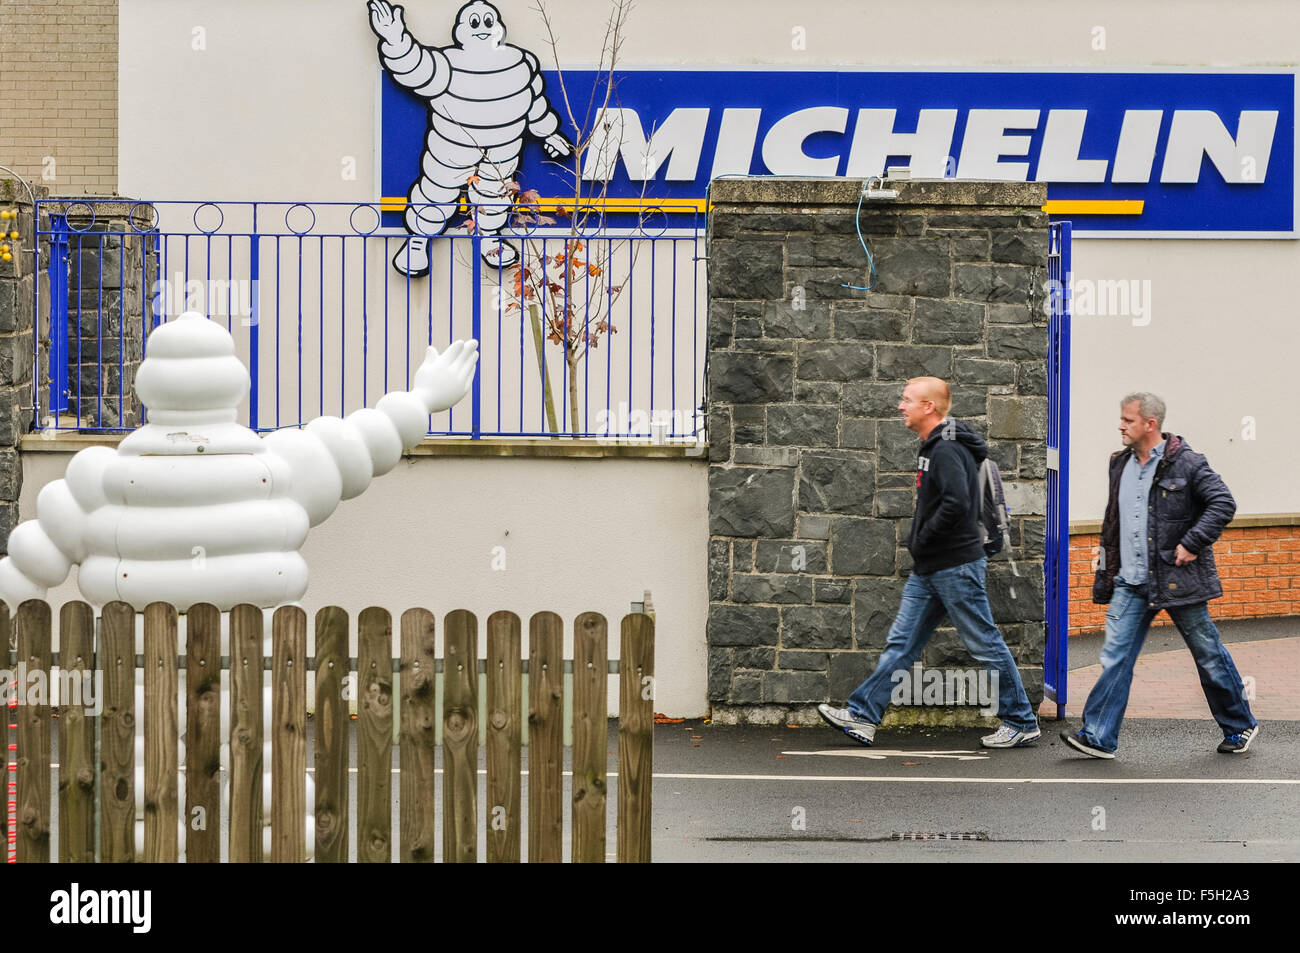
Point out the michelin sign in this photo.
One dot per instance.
(1132, 154)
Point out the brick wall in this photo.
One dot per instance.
(58, 93)
(1258, 565)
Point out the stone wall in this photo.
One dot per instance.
(109, 266)
(812, 473)
(18, 281)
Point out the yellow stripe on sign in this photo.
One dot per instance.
(675, 206)
(1094, 207)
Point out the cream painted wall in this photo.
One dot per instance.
(578, 536)
(1221, 346)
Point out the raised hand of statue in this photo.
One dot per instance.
(443, 379)
(387, 21)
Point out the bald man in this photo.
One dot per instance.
(948, 568)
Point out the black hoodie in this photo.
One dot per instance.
(945, 527)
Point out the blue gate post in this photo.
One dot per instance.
(58, 274)
(1056, 570)
(254, 257)
(476, 303)
(157, 312)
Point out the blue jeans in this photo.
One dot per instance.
(960, 593)
(1127, 621)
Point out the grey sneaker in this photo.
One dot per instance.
(863, 732)
(1079, 743)
(1008, 737)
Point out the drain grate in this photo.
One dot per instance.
(939, 835)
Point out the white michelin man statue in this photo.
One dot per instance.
(194, 507)
(484, 95)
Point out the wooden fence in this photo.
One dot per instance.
(85, 782)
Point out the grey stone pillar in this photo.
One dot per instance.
(19, 277)
(812, 473)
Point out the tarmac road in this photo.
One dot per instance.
(732, 794)
(735, 794)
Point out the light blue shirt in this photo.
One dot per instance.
(1134, 489)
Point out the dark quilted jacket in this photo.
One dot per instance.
(1188, 504)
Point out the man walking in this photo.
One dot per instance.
(1166, 508)
(948, 570)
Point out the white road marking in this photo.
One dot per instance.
(884, 779)
(879, 754)
(929, 780)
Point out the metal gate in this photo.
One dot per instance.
(598, 333)
(1056, 570)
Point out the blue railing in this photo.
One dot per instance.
(600, 331)
(1056, 568)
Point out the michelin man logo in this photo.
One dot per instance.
(484, 95)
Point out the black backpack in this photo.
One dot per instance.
(995, 517)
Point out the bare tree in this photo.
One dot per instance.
(555, 288)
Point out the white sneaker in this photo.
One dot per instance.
(413, 257)
(1008, 737)
(841, 718)
(1236, 744)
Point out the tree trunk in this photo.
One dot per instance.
(539, 343)
(572, 358)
